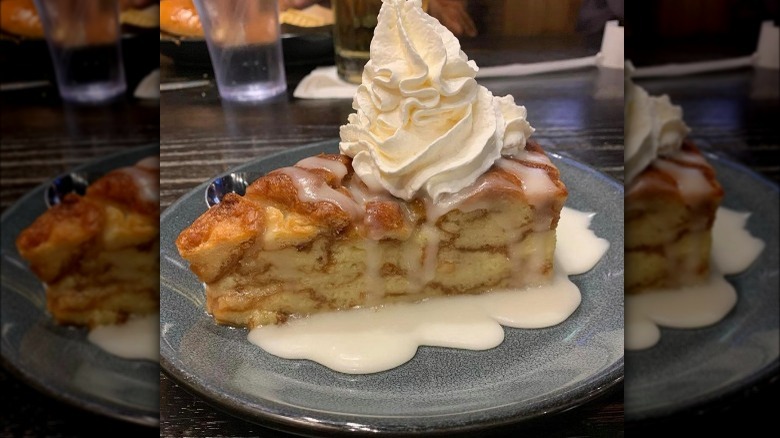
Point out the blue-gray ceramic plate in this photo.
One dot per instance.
(533, 373)
(57, 360)
(689, 369)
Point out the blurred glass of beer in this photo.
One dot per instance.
(352, 34)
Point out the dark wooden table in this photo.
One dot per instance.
(580, 113)
(40, 138)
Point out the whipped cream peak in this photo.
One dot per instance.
(423, 126)
(654, 127)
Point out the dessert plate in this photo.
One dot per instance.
(57, 360)
(689, 369)
(533, 373)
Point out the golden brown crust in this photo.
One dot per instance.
(121, 187)
(56, 239)
(280, 189)
(19, 17)
(99, 253)
(213, 241)
(179, 17)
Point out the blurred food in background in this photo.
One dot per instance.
(19, 18)
(179, 17)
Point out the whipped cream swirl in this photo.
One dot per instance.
(654, 127)
(423, 127)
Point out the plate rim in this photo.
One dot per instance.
(609, 379)
(128, 415)
(709, 402)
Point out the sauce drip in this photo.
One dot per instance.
(137, 338)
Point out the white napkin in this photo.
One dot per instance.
(767, 54)
(149, 87)
(324, 83)
(611, 54)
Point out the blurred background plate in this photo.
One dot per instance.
(57, 360)
(301, 46)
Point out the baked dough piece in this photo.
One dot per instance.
(180, 17)
(19, 17)
(98, 254)
(669, 211)
(311, 238)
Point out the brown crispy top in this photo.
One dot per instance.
(381, 216)
(654, 181)
(68, 230)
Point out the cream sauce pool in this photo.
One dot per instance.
(137, 338)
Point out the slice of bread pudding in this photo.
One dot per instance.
(98, 254)
(312, 238)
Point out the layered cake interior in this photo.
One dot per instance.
(98, 253)
(669, 211)
(437, 191)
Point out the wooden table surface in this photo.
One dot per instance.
(580, 113)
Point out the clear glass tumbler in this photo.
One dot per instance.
(85, 45)
(245, 46)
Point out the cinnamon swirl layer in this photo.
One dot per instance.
(669, 211)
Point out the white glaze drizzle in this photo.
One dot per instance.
(335, 167)
(537, 185)
(312, 188)
(464, 200)
(692, 183)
